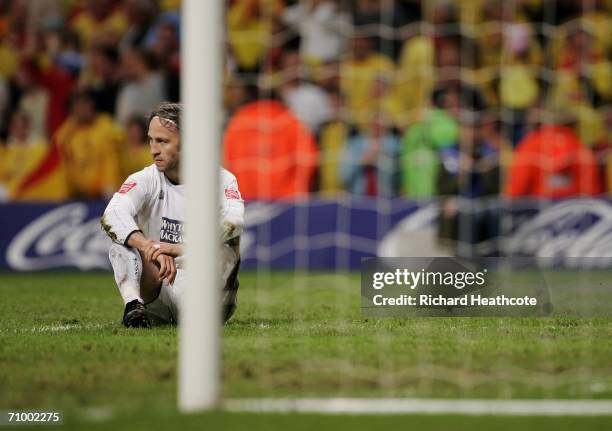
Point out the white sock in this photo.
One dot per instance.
(127, 266)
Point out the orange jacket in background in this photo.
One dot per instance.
(272, 154)
(551, 162)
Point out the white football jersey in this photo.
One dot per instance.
(148, 202)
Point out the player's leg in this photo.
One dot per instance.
(159, 307)
(137, 282)
(170, 295)
(230, 266)
(162, 310)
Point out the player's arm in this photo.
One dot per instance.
(232, 208)
(154, 253)
(154, 249)
(119, 222)
(119, 218)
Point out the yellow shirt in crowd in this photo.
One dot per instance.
(9, 60)
(357, 82)
(91, 155)
(249, 33)
(134, 160)
(333, 138)
(87, 27)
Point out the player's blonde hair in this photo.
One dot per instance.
(169, 114)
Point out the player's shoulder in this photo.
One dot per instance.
(226, 176)
(148, 175)
(148, 171)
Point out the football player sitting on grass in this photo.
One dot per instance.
(144, 219)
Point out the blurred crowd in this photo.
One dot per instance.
(77, 80)
(468, 98)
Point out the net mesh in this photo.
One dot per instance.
(401, 128)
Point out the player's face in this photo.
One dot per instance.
(164, 145)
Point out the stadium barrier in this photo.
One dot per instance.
(320, 234)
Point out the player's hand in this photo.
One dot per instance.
(148, 249)
(167, 268)
(153, 250)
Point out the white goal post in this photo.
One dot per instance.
(201, 92)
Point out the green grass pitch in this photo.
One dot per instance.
(294, 335)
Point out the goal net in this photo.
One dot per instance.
(418, 129)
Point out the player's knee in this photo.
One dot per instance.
(116, 250)
(124, 261)
(113, 251)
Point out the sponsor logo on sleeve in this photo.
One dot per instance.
(231, 193)
(171, 231)
(126, 187)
